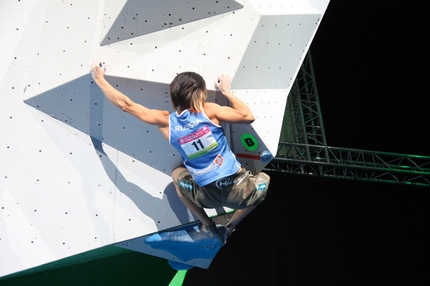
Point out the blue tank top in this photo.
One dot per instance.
(203, 147)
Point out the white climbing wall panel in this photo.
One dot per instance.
(76, 173)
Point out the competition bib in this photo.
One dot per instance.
(199, 143)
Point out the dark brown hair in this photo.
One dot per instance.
(188, 91)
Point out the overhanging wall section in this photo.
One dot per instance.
(78, 174)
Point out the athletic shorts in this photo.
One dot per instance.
(237, 191)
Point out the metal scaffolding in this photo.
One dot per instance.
(310, 155)
(351, 164)
(305, 107)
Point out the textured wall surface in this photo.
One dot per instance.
(78, 174)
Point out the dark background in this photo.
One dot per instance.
(371, 65)
(370, 60)
(323, 232)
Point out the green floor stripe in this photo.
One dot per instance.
(179, 278)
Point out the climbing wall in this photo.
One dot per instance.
(76, 173)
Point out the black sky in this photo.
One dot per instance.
(370, 60)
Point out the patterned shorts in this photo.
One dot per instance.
(237, 191)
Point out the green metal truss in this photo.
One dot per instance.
(351, 164)
(305, 150)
